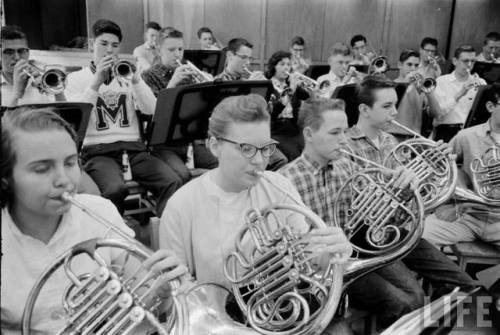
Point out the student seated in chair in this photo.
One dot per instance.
(114, 128)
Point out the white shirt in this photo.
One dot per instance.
(113, 117)
(201, 221)
(447, 87)
(146, 56)
(25, 258)
(31, 94)
(334, 81)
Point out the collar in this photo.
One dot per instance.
(148, 47)
(231, 75)
(109, 77)
(356, 134)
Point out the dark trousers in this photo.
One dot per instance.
(394, 290)
(176, 156)
(103, 163)
(446, 132)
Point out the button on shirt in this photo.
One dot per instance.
(447, 88)
(25, 258)
(31, 94)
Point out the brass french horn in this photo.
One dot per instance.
(486, 175)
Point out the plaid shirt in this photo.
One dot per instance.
(319, 186)
(158, 76)
(362, 146)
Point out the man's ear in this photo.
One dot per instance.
(307, 132)
(454, 61)
(363, 110)
(489, 106)
(213, 146)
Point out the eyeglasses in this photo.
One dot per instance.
(467, 61)
(298, 49)
(249, 150)
(21, 52)
(245, 57)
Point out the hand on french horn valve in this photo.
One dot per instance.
(404, 178)
(166, 263)
(330, 241)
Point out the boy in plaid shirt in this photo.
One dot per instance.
(319, 173)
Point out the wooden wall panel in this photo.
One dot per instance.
(186, 16)
(289, 18)
(346, 18)
(473, 20)
(236, 18)
(128, 14)
(409, 21)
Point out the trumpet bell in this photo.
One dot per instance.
(123, 70)
(378, 65)
(437, 173)
(53, 81)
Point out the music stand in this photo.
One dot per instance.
(315, 71)
(182, 113)
(488, 71)
(210, 61)
(77, 114)
(478, 113)
(348, 94)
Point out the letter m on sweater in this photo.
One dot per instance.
(111, 107)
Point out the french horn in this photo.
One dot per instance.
(275, 280)
(112, 301)
(486, 175)
(383, 223)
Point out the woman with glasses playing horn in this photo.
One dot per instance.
(40, 164)
(478, 149)
(18, 87)
(204, 218)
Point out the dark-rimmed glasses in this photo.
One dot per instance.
(249, 150)
(10, 52)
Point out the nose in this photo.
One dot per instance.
(257, 159)
(61, 177)
(343, 140)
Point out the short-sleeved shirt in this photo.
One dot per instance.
(25, 258)
(362, 146)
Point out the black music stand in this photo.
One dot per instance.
(348, 94)
(77, 114)
(478, 113)
(210, 61)
(488, 71)
(182, 113)
(315, 71)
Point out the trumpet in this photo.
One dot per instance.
(378, 65)
(423, 85)
(123, 70)
(197, 75)
(313, 87)
(475, 77)
(52, 81)
(111, 301)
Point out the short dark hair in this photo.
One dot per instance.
(26, 119)
(204, 30)
(12, 33)
(370, 84)
(104, 26)
(235, 44)
(311, 111)
(492, 94)
(429, 40)
(407, 54)
(340, 49)
(153, 25)
(298, 40)
(463, 48)
(357, 38)
(491, 36)
(274, 60)
(169, 32)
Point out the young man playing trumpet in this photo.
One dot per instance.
(320, 172)
(340, 72)
(239, 59)
(491, 49)
(114, 127)
(474, 221)
(430, 57)
(18, 87)
(455, 93)
(147, 54)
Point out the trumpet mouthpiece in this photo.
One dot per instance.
(66, 196)
(258, 172)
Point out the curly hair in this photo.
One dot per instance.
(276, 57)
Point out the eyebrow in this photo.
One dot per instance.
(45, 161)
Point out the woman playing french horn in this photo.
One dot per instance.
(21, 80)
(40, 163)
(204, 218)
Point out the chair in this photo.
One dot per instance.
(476, 252)
(144, 202)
